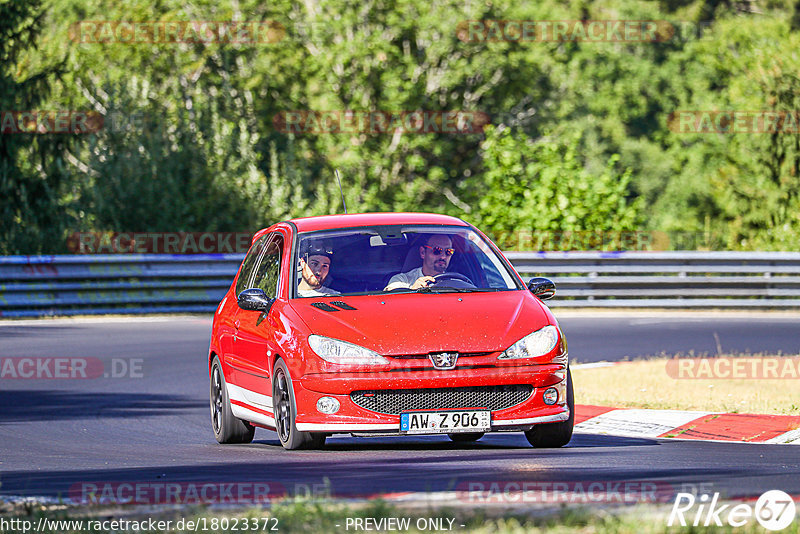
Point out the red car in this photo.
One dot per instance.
(385, 323)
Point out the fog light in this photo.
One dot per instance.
(328, 405)
(550, 396)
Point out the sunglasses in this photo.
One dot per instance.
(438, 251)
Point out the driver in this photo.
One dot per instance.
(435, 254)
(314, 264)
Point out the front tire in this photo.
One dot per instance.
(227, 428)
(554, 435)
(285, 409)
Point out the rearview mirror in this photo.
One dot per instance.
(254, 299)
(544, 288)
(387, 239)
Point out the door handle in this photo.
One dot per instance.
(236, 324)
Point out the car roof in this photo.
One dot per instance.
(327, 222)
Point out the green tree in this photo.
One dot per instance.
(32, 169)
(543, 185)
(745, 184)
(190, 141)
(184, 147)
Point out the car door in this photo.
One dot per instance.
(254, 331)
(229, 309)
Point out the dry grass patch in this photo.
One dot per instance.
(655, 384)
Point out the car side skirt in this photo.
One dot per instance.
(243, 405)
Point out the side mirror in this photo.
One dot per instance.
(254, 300)
(544, 288)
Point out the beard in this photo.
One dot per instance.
(312, 280)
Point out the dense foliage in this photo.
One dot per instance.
(581, 137)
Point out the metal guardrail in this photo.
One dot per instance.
(685, 279)
(32, 286)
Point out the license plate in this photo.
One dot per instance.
(445, 422)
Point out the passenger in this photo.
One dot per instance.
(435, 254)
(315, 264)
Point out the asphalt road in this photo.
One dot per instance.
(151, 425)
(615, 336)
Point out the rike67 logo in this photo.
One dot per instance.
(774, 510)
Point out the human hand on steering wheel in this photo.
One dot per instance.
(452, 276)
(423, 281)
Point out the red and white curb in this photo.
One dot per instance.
(708, 426)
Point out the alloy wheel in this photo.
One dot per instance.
(283, 407)
(216, 401)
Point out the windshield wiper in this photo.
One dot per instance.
(443, 289)
(448, 289)
(490, 289)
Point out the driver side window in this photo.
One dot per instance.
(267, 274)
(249, 264)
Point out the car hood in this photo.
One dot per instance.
(396, 324)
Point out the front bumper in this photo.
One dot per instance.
(351, 417)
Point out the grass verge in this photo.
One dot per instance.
(315, 517)
(661, 383)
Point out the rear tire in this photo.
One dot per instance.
(465, 437)
(227, 428)
(285, 409)
(554, 435)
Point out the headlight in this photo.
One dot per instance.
(342, 352)
(536, 344)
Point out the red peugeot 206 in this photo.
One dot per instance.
(386, 323)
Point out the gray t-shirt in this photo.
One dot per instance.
(404, 279)
(319, 292)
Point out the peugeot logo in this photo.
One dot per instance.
(443, 360)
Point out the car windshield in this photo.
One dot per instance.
(401, 259)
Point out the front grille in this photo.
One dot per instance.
(394, 401)
(427, 356)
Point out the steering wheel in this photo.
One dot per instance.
(452, 276)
